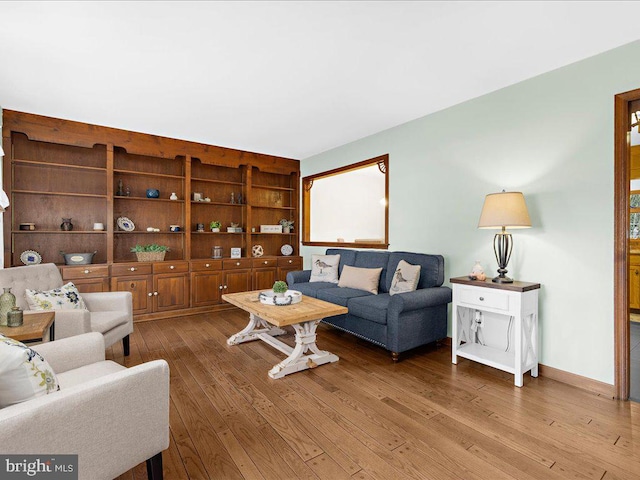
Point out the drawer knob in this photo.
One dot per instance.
(238, 264)
(155, 294)
(133, 269)
(87, 271)
(481, 299)
(133, 285)
(150, 294)
(290, 261)
(207, 265)
(220, 287)
(266, 263)
(171, 267)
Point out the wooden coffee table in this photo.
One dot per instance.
(34, 327)
(265, 322)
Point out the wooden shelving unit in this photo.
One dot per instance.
(56, 168)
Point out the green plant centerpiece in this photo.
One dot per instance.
(280, 287)
(215, 226)
(150, 253)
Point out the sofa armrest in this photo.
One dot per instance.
(422, 298)
(72, 322)
(108, 301)
(112, 422)
(299, 276)
(73, 352)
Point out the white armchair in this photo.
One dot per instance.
(111, 416)
(110, 313)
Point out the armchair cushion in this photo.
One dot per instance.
(65, 297)
(24, 373)
(105, 321)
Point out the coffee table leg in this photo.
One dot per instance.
(297, 360)
(252, 331)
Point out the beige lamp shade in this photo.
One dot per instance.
(504, 209)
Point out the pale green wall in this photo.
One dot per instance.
(550, 137)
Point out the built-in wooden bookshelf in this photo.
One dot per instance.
(55, 169)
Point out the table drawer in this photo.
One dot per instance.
(484, 298)
(205, 265)
(290, 262)
(235, 263)
(123, 269)
(264, 262)
(85, 271)
(171, 267)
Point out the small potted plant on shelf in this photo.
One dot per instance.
(215, 226)
(287, 225)
(279, 288)
(150, 253)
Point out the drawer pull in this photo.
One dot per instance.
(637, 272)
(171, 267)
(155, 294)
(290, 261)
(207, 265)
(150, 294)
(238, 264)
(481, 299)
(133, 269)
(133, 285)
(87, 271)
(266, 262)
(220, 287)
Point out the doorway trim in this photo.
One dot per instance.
(621, 181)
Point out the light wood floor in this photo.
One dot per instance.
(367, 418)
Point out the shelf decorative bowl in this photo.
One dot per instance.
(150, 256)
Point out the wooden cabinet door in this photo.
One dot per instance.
(634, 286)
(237, 281)
(170, 292)
(140, 288)
(263, 278)
(206, 288)
(91, 285)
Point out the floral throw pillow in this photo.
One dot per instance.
(324, 268)
(63, 298)
(24, 373)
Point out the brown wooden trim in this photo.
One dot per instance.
(353, 166)
(7, 162)
(577, 381)
(621, 242)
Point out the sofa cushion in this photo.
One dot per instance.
(347, 257)
(311, 289)
(431, 268)
(324, 268)
(405, 278)
(340, 296)
(24, 373)
(65, 297)
(367, 259)
(372, 308)
(366, 279)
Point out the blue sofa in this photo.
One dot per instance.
(396, 322)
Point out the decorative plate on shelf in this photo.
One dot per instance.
(125, 224)
(30, 257)
(286, 249)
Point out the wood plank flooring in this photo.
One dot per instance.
(367, 418)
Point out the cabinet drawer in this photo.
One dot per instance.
(235, 263)
(85, 271)
(205, 265)
(290, 262)
(171, 267)
(122, 269)
(484, 298)
(263, 262)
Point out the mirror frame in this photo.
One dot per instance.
(382, 162)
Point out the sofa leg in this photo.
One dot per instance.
(125, 345)
(154, 467)
(395, 356)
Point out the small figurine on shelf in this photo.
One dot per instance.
(287, 225)
(120, 191)
(127, 192)
(233, 200)
(240, 198)
(173, 196)
(66, 225)
(477, 272)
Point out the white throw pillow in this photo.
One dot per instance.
(324, 268)
(366, 279)
(66, 297)
(24, 373)
(405, 279)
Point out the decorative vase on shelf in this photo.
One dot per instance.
(66, 225)
(173, 196)
(7, 302)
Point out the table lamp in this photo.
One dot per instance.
(504, 210)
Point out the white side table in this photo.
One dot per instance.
(518, 302)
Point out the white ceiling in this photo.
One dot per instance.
(285, 78)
